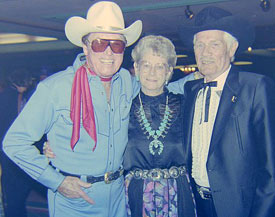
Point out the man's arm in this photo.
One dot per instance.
(177, 87)
(35, 119)
(135, 85)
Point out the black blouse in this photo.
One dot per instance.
(137, 154)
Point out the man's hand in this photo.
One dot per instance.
(72, 187)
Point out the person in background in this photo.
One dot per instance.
(44, 73)
(84, 110)
(156, 180)
(16, 185)
(229, 123)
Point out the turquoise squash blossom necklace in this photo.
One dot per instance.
(155, 146)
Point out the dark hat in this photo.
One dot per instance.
(214, 18)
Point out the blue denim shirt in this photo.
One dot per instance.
(48, 111)
(177, 87)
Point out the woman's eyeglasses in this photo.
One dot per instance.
(158, 67)
(100, 45)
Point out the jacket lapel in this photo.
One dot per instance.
(228, 98)
(189, 109)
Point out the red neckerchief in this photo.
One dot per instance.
(81, 94)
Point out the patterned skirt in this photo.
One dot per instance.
(162, 198)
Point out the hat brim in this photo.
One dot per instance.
(241, 29)
(77, 27)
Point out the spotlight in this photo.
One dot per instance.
(265, 5)
(188, 13)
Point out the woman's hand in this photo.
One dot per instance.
(47, 151)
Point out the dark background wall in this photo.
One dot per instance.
(54, 61)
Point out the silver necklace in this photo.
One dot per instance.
(155, 146)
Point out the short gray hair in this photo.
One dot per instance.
(160, 45)
(84, 39)
(230, 39)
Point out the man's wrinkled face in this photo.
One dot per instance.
(105, 63)
(212, 53)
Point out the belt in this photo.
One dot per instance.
(157, 174)
(107, 177)
(204, 192)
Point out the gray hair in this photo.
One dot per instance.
(84, 38)
(228, 38)
(160, 45)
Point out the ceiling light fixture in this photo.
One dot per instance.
(241, 63)
(13, 38)
(182, 56)
(188, 13)
(265, 5)
(186, 68)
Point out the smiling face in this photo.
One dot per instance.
(107, 63)
(153, 72)
(213, 54)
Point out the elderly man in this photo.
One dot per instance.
(84, 111)
(229, 122)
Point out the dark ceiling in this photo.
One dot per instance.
(163, 17)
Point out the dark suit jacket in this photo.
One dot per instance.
(241, 159)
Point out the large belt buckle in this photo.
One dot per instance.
(174, 172)
(155, 174)
(137, 173)
(201, 192)
(106, 177)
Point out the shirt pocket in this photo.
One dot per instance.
(65, 118)
(124, 109)
(121, 119)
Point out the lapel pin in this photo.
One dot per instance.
(234, 99)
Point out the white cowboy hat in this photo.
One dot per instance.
(103, 16)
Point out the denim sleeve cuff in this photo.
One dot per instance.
(51, 178)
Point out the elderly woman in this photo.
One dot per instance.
(156, 180)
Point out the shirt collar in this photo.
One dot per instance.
(221, 79)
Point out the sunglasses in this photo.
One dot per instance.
(100, 45)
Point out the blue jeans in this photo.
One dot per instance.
(110, 201)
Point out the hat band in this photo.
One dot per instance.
(109, 28)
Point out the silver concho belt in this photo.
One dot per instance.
(157, 174)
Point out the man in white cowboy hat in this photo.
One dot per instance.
(84, 111)
(229, 122)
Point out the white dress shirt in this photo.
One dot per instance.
(202, 131)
